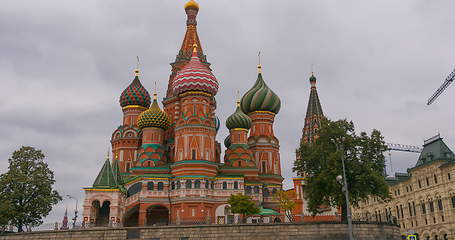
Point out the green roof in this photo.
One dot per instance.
(433, 150)
(106, 177)
(267, 212)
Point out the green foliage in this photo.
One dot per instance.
(242, 204)
(286, 203)
(6, 213)
(320, 162)
(28, 186)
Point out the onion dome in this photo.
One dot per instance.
(217, 123)
(227, 141)
(195, 76)
(135, 94)
(192, 4)
(238, 119)
(153, 117)
(260, 97)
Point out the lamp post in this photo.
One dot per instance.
(344, 183)
(75, 210)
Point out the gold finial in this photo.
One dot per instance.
(192, 4)
(238, 98)
(194, 47)
(259, 62)
(137, 71)
(154, 92)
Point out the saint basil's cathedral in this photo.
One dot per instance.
(166, 166)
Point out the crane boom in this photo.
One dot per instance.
(404, 148)
(443, 87)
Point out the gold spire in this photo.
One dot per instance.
(137, 71)
(259, 63)
(108, 151)
(154, 92)
(238, 98)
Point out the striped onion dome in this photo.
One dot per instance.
(153, 117)
(260, 97)
(195, 76)
(227, 141)
(238, 119)
(135, 94)
(217, 123)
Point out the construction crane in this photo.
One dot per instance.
(443, 87)
(401, 148)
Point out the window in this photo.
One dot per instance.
(431, 206)
(197, 184)
(134, 189)
(410, 209)
(193, 154)
(207, 184)
(453, 201)
(128, 166)
(398, 212)
(240, 163)
(440, 204)
(224, 185)
(263, 167)
(420, 184)
(414, 208)
(188, 184)
(248, 190)
(435, 179)
(448, 176)
(442, 218)
(428, 182)
(256, 189)
(150, 186)
(212, 185)
(178, 184)
(422, 205)
(173, 185)
(236, 185)
(160, 186)
(401, 210)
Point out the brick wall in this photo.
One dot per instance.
(306, 231)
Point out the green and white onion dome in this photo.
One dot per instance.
(260, 98)
(238, 119)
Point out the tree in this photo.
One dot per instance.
(242, 204)
(6, 213)
(320, 162)
(286, 204)
(28, 186)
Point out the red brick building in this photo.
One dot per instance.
(166, 165)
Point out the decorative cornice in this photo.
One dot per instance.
(195, 93)
(134, 106)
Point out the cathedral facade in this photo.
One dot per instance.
(166, 163)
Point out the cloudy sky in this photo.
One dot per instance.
(63, 65)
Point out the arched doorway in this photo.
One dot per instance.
(131, 218)
(157, 215)
(102, 216)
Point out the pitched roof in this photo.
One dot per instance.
(433, 150)
(106, 177)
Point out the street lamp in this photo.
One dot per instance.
(75, 210)
(342, 180)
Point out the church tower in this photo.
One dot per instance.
(314, 114)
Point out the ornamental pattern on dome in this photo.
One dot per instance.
(135, 94)
(195, 76)
(238, 119)
(153, 117)
(260, 98)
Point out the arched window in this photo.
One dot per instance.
(207, 184)
(266, 192)
(256, 189)
(178, 184)
(248, 190)
(236, 185)
(134, 189)
(193, 154)
(160, 186)
(212, 185)
(240, 163)
(224, 185)
(188, 184)
(173, 185)
(197, 184)
(150, 186)
(264, 168)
